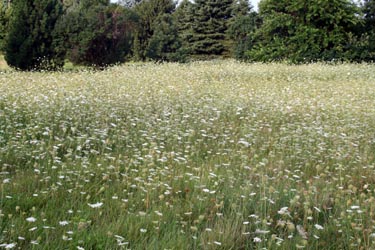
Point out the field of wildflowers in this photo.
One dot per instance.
(213, 155)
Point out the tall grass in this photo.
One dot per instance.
(214, 155)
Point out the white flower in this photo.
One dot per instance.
(302, 232)
(319, 227)
(63, 223)
(31, 219)
(8, 246)
(257, 240)
(283, 210)
(259, 231)
(217, 243)
(143, 230)
(96, 205)
(80, 248)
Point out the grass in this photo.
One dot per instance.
(214, 155)
(3, 64)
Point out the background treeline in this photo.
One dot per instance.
(44, 34)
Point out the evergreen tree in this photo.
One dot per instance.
(5, 13)
(29, 43)
(184, 15)
(209, 27)
(148, 12)
(165, 44)
(302, 31)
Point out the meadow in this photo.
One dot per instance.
(206, 155)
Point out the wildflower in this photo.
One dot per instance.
(31, 219)
(96, 205)
(283, 210)
(319, 227)
(302, 232)
(259, 231)
(257, 240)
(9, 246)
(63, 223)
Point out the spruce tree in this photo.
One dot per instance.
(149, 11)
(209, 27)
(30, 41)
(184, 18)
(165, 44)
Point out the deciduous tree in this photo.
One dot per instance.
(99, 35)
(304, 31)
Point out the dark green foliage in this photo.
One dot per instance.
(97, 36)
(148, 12)
(369, 14)
(242, 27)
(364, 42)
(31, 36)
(184, 15)
(165, 44)
(5, 13)
(209, 27)
(304, 31)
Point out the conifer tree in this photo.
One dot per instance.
(29, 43)
(5, 13)
(149, 11)
(209, 27)
(184, 15)
(165, 43)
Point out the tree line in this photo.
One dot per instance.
(44, 34)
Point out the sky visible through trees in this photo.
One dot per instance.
(253, 3)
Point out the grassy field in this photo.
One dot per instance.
(214, 155)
